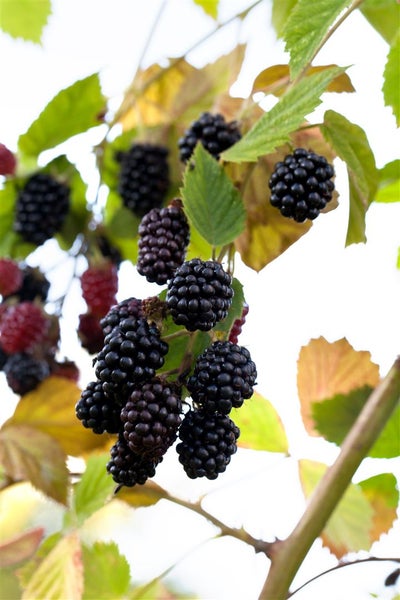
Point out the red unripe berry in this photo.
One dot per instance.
(22, 327)
(10, 276)
(99, 287)
(90, 333)
(238, 324)
(8, 161)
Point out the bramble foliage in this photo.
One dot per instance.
(225, 201)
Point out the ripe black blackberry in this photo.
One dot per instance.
(207, 443)
(3, 358)
(96, 411)
(143, 177)
(301, 185)
(223, 377)
(131, 354)
(34, 285)
(212, 131)
(24, 372)
(199, 295)
(41, 208)
(151, 418)
(130, 307)
(128, 468)
(163, 239)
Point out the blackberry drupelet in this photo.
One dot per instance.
(301, 185)
(41, 208)
(24, 372)
(143, 177)
(130, 307)
(131, 354)
(199, 295)
(151, 418)
(96, 411)
(237, 326)
(223, 377)
(207, 443)
(212, 131)
(128, 468)
(163, 239)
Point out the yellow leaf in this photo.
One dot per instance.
(325, 369)
(50, 408)
(60, 574)
(142, 495)
(382, 494)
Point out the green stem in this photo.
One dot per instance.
(287, 555)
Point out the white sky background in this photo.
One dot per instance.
(316, 288)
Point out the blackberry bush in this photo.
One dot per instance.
(212, 131)
(143, 177)
(41, 208)
(128, 468)
(223, 377)
(207, 443)
(151, 418)
(96, 411)
(199, 295)
(131, 354)
(163, 239)
(301, 185)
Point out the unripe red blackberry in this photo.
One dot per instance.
(34, 285)
(8, 162)
(128, 468)
(301, 185)
(67, 369)
(207, 443)
(163, 239)
(131, 354)
(151, 418)
(41, 208)
(10, 276)
(237, 326)
(143, 177)
(90, 333)
(96, 411)
(130, 307)
(24, 372)
(99, 285)
(223, 377)
(212, 131)
(199, 295)
(22, 327)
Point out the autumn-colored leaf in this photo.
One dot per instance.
(260, 426)
(382, 493)
(142, 495)
(325, 369)
(21, 547)
(29, 454)
(50, 408)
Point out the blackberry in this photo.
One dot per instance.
(131, 354)
(41, 208)
(10, 276)
(223, 377)
(212, 131)
(34, 285)
(22, 327)
(199, 295)
(301, 185)
(237, 326)
(207, 443)
(96, 411)
(90, 333)
(163, 239)
(151, 418)
(24, 372)
(143, 177)
(3, 358)
(8, 161)
(99, 285)
(128, 468)
(130, 307)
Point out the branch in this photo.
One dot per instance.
(287, 555)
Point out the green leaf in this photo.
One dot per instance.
(29, 454)
(273, 129)
(212, 203)
(94, 489)
(389, 183)
(348, 529)
(351, 144)
(335, 416)
(24, 18)
(106, 572)
(391, 74)
(281, 10)
(73, 110)
(210, 7)
(383, 495)
(306, 27)
(9, 585)
(383, 15)
(260, 426)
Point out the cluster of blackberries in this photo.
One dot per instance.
(29, 336)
